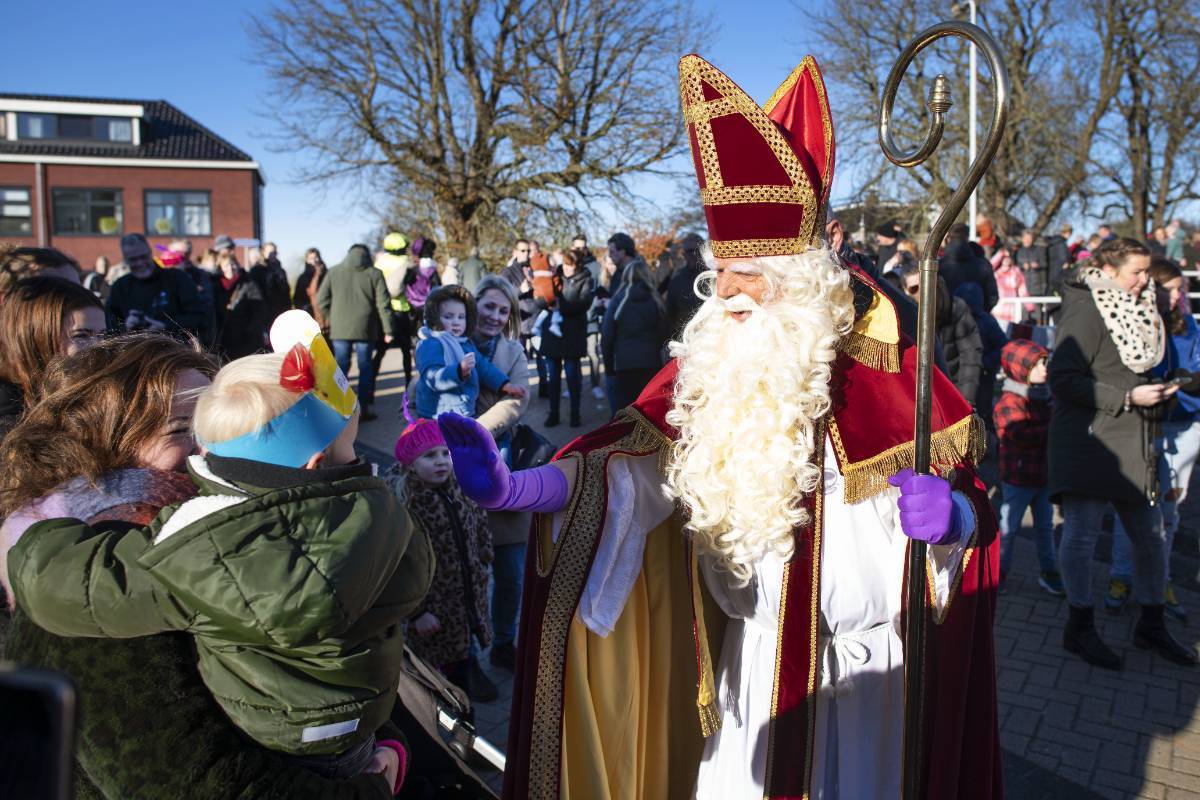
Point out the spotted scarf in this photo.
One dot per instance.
(1133, 323)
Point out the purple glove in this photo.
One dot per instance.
(485, 478)
(927, 511)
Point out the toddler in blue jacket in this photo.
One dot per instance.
(450, 368)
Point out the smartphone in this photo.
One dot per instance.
(1179, 381)
(37, 733)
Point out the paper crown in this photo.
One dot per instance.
(318, 417)
(764, 173)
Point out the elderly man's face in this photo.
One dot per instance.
(736, 277)
(137, 256)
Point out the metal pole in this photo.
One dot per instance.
(916, 599)
(973, 110)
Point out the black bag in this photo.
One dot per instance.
(529, 448)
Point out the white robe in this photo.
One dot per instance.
(860, 703)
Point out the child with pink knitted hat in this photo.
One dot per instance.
(440, 630)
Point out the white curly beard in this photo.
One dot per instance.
(747, 399)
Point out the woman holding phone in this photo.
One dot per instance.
(1102, 444)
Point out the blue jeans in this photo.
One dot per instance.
(1082, 518)
(508, 573)
(1012, 511)
(1180, 446)
(366, 373)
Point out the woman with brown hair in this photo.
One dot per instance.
(1102, 447)
(1178, 437)
(106, 444)
(41, 318)
(25, 262)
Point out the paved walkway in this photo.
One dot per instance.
(1068, 730)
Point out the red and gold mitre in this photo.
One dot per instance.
(764, 173)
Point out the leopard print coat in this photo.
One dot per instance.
(458, 597)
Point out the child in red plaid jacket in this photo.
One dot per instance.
(1022, 424)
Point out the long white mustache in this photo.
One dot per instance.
(737, 304)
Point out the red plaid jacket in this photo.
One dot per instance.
(1022, 425)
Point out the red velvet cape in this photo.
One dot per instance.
(871, 425)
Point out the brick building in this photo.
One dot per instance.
(77, 173)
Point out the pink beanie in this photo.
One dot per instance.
(420, 436)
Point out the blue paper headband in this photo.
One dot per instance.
(290, 439)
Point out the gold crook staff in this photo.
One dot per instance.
(916, 600)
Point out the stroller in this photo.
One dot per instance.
(435, 715)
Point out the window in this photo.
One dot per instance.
(37, 126)
(185, 213)
(16, 212)
(87, 211)
(75, 127)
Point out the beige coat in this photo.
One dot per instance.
(499, 414)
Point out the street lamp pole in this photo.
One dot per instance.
(972, 207)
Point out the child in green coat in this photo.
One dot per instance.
(294, 568)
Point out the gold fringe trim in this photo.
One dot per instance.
(645, 437)
(871, 352)
(963, 442)
(710, 720)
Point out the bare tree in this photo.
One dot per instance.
(1061, 90)
(1148, 164)
(481, 108)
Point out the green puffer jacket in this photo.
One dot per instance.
(294, 591)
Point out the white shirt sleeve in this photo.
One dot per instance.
(637, 505)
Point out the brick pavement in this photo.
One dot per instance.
(1068, 730)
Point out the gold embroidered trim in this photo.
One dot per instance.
(871, 352)
(749, 248)
(547, 548)
(939, 618)
(963, 442)
(755, 193)
(818, 523)
(567, 569)
(708, 110)
(810, 64)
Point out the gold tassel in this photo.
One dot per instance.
(963, 442)
(706, 693)
(710, 720)
(871, 352)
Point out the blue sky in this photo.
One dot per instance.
(197, 56)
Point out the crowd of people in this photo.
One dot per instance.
(127, 390)
(1096, 412)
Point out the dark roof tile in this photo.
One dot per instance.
(167, 133)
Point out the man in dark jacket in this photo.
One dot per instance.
(354, 298)
(203, 282)
(152, 298)
(634, 328)
(1058, 257)
(886, 236)
(1033, 261)
(520, 276)
(959, 264)
(682, 300)
(272, 279)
